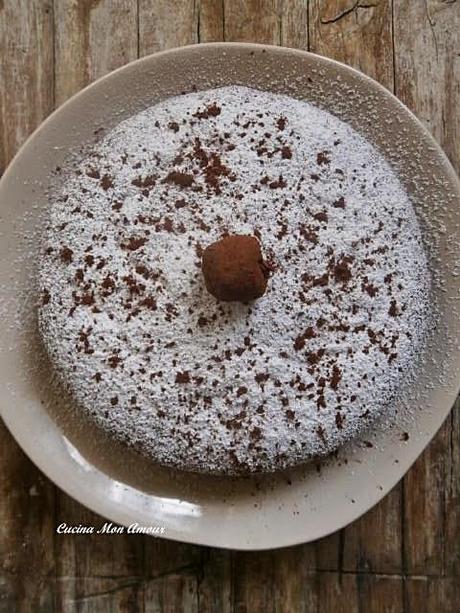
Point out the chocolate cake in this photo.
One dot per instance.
(232, 281)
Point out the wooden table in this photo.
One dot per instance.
(404, 555)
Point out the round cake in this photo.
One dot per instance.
(194, 370)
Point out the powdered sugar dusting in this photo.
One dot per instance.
(233, 388)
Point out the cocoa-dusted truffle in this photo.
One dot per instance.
(234, 269)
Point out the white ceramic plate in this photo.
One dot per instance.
(258, 512)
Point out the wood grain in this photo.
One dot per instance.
(294, 24)
(211, 24)
(401, 556)
(427, 78)
(164, 24)
(26, 43)
(26, 498)
(257, 21)
(116, 572)
(361, 36)
(427, 67)
(92, 37)
(357, 33)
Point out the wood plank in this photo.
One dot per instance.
(179, 593)
(432, 594)
(359, 547)
(26, 530)
(101, 595)
(360, 35)
(425, 508)
(215, 581)
(210, 19)
(214, 577)
(294, 24)
(92, 38)
(254, 582)
(379, 594)
(95, 572)
(329, 552)
(428, 81)
(185, 577)
(452, 497)
(271, 581)
(356, 33)
(376, 593)
(89, 564)
(373, 542)
(337, 593)
(172, 571)
(27, 498)
(121, 572)
(164, 24)
(26, 49)
(256, 21)
(427, 67)
(280, 580)
(277, 22)
(360, 592)
(296, 582)
(115, 572)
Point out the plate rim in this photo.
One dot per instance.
(34, 453)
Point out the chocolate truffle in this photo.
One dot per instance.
(234, 269)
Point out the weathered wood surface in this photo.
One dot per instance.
(404, 555)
